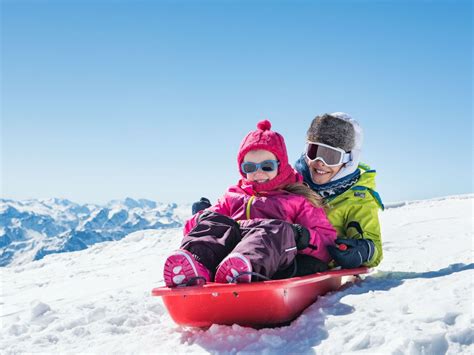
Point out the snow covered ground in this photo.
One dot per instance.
(418, 301)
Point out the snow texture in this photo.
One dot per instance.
(98, 300)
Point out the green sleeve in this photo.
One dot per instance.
(366, 214)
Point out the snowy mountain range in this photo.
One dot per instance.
(32, 229)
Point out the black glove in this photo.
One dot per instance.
(301, 236)
(352, 253)
(307, 265)
(202, 204)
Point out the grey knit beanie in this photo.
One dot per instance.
(333, 130)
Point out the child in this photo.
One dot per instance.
(258, 226)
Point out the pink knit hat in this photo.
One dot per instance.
(264, 138)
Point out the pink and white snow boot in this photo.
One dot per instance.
(181, 268)
(234, 268)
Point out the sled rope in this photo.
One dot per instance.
(234, 280)
(193, 281)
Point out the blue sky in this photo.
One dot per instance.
(150, 99)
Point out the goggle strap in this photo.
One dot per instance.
(346, 158)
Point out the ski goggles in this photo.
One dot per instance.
(328, 155)
(267, 166)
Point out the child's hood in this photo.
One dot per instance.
(266, 139)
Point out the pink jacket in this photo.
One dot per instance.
(241, 202)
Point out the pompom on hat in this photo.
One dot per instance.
(265, 139)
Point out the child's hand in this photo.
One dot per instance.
(200, 205)
(307, 265)
(301, 236)
(354, 253)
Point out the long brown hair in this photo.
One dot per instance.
(304, 190)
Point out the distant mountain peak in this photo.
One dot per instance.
(32, 229)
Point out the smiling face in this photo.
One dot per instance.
(257, 156)
(321, 173)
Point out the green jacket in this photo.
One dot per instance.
(358, 204)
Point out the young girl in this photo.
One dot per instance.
(258, 226)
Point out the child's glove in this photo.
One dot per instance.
(352, 253)
(301, 236)
(202, 204)
(307, 265)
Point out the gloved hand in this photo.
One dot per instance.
(307, 265)
(352, 253)
(301, 236)
(202, 204)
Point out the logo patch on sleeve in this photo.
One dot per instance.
(359, 194)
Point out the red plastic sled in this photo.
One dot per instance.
(257, 304)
